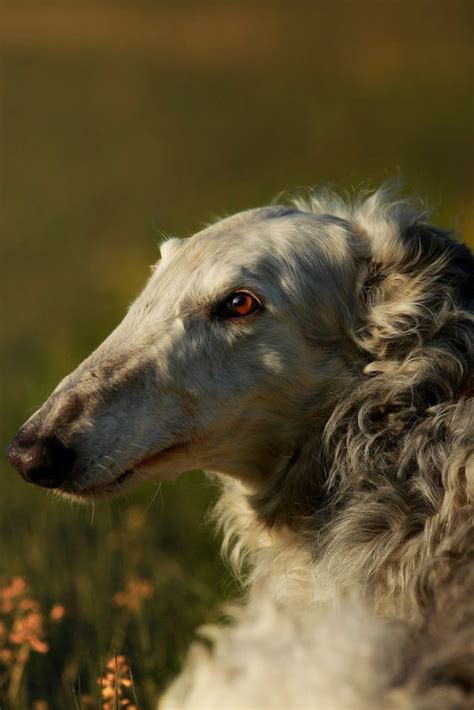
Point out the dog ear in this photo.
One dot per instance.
(398, 442)
(428, 247)
(407, 301)
(416, 332)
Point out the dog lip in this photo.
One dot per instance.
(114, 486)
(156, 456)
(108, 487)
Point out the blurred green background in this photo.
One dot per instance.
(120, 121)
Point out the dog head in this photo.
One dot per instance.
(243, 341)
(233, 345)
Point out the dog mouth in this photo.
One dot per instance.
(117, 485)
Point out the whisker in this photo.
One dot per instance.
(138, 446)
(104, 468)
(154, 496)
(111, 459)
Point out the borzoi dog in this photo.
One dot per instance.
(317, 358)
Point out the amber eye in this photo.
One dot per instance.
(238, 304)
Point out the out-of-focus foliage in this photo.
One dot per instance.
(121, 121)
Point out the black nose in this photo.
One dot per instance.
(44, 461)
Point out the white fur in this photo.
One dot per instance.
(279, 657)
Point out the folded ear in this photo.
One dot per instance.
(402, 434)
(436, 250)
(410, 299)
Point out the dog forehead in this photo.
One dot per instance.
(246, 237)
(248, 225)
(233, 251)
(253, 223)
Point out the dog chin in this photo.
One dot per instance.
(109, 489)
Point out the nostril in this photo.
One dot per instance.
(22, 452)
(45, 461)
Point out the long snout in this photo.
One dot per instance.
(77, 442)
(42, 460)
(116, 411)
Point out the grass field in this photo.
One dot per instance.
(122, 121)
